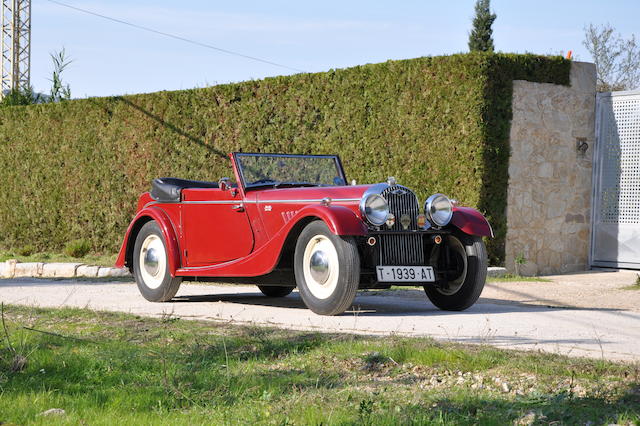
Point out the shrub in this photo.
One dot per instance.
(26, 250)
(438, 124)
(77, 248)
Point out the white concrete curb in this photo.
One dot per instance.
(496, 271)
(14, 269)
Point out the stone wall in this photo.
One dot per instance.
(549, 195)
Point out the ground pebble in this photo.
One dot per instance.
(53, 412)
(527, 419)
(505, 387)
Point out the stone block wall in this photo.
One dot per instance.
(549, 194)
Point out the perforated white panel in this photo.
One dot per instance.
(620, 144)
(616, 227)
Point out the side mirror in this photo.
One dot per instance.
(223, 183)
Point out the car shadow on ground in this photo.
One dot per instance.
(379, 304)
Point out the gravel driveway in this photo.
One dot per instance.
(580, 315)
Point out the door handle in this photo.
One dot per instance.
(238, 207)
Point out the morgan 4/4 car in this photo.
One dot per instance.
(292, 221)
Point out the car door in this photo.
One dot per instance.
(215, 226)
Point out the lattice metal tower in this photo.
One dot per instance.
(16, 45)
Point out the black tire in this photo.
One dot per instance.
(275, 291)
(461, 293)
(334, 295)
(155, 284)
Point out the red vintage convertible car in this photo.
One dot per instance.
(292, 221)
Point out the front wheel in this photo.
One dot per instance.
(467, 272)
(327, 269)
(151, 266)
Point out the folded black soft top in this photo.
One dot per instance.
(168, 190)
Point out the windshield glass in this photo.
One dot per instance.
(289, 170)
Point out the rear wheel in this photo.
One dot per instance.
(275, 291)
(467, 265)
(151, 266)
(327, 269)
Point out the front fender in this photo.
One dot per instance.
(125, 257)
(340, 219)
(471, 221)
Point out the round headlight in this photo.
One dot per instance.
(375, 209)
(438, 209)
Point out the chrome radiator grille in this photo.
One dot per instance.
(401, 249)
(402, 201)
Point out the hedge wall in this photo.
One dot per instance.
(74, 169)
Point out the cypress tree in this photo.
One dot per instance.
(480, 36)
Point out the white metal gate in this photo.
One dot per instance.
(615, 240)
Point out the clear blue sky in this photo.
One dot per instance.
(111, 58)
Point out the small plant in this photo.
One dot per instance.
(635, 285)
(26, 250)
(376, 358)
(25, 96)
(77, 248)
(365, 411)
(519, 261)
(17, 357)
(59, 91)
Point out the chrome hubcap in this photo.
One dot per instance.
(151, 261)
(319, 266)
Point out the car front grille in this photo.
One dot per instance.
(401, 249)
(402, 202)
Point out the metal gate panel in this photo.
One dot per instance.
(615, 240)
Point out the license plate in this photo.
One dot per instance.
(405, 274)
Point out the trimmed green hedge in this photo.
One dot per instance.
(438, 124)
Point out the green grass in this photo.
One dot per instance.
(47, 257)
(108, 368)
(635, 285)
(517, 278)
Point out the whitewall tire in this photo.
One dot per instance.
(327, 269)
(151, 265)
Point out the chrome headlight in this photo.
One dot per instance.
(438, 209)
(375, 209)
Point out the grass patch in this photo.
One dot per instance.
(106, 368)
(97, 259)
(635, 285)
(77, 248)
(517, 278)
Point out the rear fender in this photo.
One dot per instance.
(125, 257)
(471, 221)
